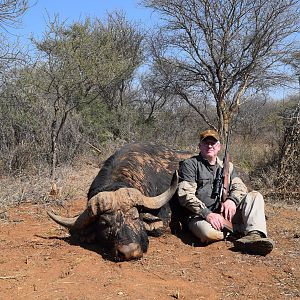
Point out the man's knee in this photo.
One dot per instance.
(205, 232)
(254, 196)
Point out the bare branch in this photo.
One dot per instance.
(227, 46)
(11, 11)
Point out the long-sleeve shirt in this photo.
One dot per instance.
(197, 177)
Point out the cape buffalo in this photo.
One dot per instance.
(128, 199)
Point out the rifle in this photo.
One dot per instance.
(221, 184)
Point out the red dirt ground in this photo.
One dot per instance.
(38, 262)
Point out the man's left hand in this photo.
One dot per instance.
(228, 209)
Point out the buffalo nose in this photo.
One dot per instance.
(130, 251)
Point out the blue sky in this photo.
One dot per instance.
(35, 19)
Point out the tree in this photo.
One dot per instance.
(11, 11)
(219, 51)
(83, 63)
(289, 156)
(293, 60)
(23, 124)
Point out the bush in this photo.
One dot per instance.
(278, 173)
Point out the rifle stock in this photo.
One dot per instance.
(226, 178)
(228, 225)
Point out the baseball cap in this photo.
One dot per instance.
(209, 133)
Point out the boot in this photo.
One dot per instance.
(254, 243)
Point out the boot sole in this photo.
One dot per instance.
(257, 247)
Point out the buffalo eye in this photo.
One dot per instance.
(104, 220)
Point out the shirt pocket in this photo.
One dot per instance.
(203, 182)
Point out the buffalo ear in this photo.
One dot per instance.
(153, 224)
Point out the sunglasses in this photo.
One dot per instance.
(210, 143)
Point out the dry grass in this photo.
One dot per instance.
(37, 188)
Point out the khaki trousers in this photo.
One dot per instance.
(249, 216)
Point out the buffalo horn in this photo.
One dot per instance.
(162, 199)
(75, 223)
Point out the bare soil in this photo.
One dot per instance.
(38, 261)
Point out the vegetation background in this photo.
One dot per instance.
(94, 85)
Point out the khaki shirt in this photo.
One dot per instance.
(195, 188)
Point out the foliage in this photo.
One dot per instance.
(289, 157)
(85, 91)
(24, 128)
(84, 63)
(276, 173)
(20, 148)
(81, 76)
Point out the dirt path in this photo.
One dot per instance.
(38, 262)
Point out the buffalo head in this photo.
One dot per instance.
(113, 219)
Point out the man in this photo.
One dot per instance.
(245, 210)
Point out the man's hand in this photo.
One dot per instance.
(228, 209)
(216, 221)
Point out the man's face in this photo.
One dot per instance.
(209, 148)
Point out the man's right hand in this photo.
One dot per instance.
(216, 221)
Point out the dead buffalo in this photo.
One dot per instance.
(128, 200)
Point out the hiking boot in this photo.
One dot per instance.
(254, 243)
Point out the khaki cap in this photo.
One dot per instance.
(209, 133)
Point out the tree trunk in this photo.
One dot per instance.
(224, 118)
(53, 150)
(54, 136)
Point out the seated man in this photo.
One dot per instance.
(244, 210)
